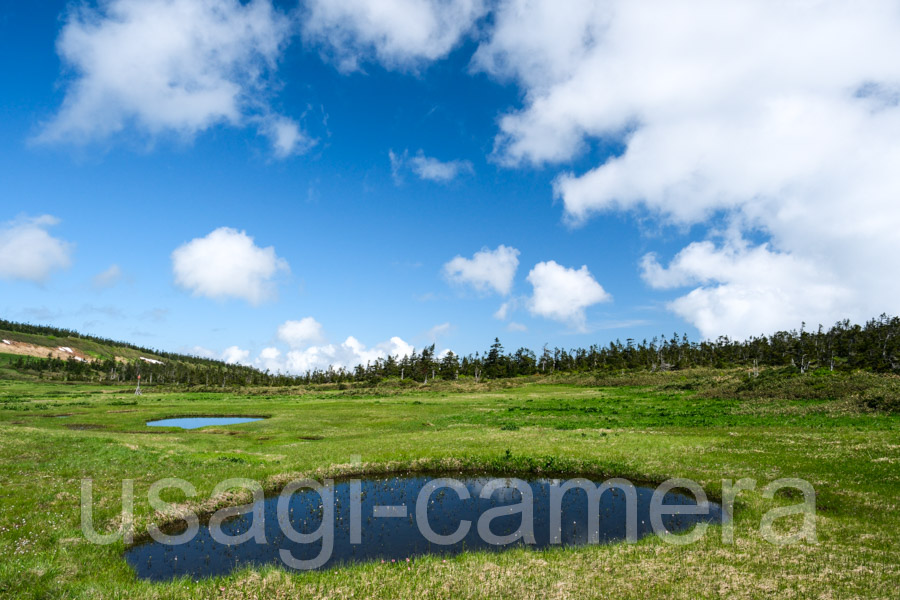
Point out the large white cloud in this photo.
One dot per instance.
(227, 264)
(781, 117)
(171, 66)
(29, 252)
(488, 270)
(563, 294)
(747, 290)
(348, 354)
(398, 33)
(300, 333)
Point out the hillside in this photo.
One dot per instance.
(37, 351)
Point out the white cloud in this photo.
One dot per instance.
(747, 290)
(563, 294)
(344, 355)
(234, 355)
(171, 66)
(783, 117)
(201, 352)
(108, 278)
(30, 253)
(434, 170)
(503, 311)
(427, 168)
(308, 351)
(487, 270)
(286, 136)
(227, 264)
(300, 333)
(269, 359)
(508, 307)
(400, 34)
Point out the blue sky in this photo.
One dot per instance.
(681, 198)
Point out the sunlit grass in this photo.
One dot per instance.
(666, 426)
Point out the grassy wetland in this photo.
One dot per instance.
(703, 425)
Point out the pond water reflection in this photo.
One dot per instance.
(388, 528)
(197, 422)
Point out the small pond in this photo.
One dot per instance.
(197, 422)
(388, 528)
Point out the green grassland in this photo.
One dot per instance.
(833, 431)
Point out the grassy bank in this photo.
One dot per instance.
(704, 425)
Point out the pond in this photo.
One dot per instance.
(388, 527)
(197, 422)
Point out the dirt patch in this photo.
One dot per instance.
(63, 352)
(311, 438)
(112, 412)
(84, 426)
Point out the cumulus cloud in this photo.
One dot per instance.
(781, 117)
(171, 66)
(400, 34)
(227, 264)
(232, 355)
(308, 349)
(235, 355)
(269, 359)
(348, 354)
(304, 332)
(488, 270)
(29, 252)
(748, 290)
(563, 294)
(107, 278)
(427, 168)
(201, 352)
(516, 327)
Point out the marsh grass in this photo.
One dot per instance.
(702, 425)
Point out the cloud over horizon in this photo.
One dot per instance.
(307, 354)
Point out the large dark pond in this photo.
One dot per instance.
(389, 529)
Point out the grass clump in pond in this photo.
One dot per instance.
(704, 425)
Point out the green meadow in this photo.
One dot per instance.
(703, 425)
